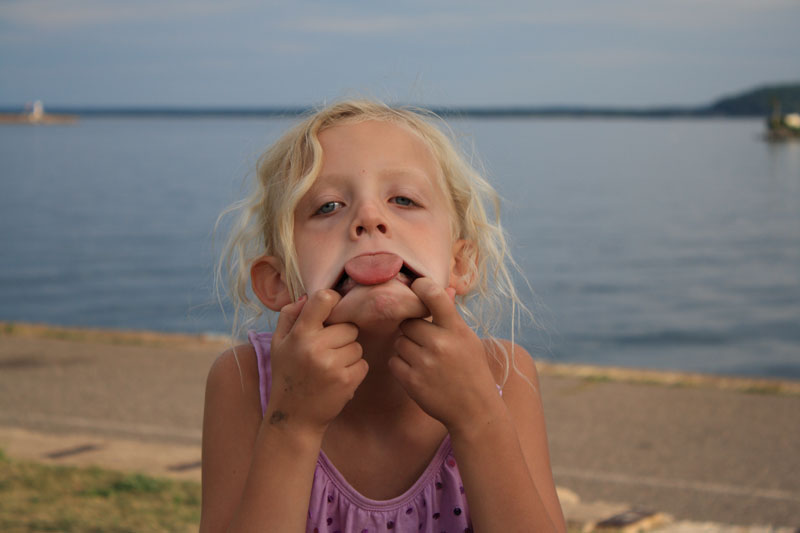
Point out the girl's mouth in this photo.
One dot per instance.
(345, 283)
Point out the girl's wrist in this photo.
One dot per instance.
(294, 432)
(482, 423)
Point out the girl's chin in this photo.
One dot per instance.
(378, 307)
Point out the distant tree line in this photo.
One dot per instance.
(760, 101)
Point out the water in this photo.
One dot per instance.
(649, 243)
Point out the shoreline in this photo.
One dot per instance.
(43, 120)
(586, 372)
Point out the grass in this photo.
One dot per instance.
(593, 375)
(37, 497)
(768, 389)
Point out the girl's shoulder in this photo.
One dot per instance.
(241, 357)
(514, 371)
(234, 377)
(512, 360)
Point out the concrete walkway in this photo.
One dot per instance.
(700, 452)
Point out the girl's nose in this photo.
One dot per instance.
(369, 221)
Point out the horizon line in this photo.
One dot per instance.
(707, 110)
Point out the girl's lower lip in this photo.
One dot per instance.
(349, 284)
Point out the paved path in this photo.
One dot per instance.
(697, 453)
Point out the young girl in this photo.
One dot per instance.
(374, 405)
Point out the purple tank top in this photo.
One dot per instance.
(435, 503)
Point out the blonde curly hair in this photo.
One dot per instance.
(264, 220)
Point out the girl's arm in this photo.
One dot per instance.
(500, 442)
(254, 475)
(505, 462)
(258, 473)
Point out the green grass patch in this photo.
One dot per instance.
(768, 389)
(597, 378)
(38, 497)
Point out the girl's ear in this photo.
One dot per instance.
(266, 277)
(463, 266)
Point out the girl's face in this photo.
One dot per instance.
(380, 191)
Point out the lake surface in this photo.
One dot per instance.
(648, 243)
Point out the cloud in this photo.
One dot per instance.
(663, 14)
(72, 14)
(660, 14)
(415, 17)
(366, 24)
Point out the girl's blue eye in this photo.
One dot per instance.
(402, 200)
(328, 207)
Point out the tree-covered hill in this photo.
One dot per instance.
(760, 101)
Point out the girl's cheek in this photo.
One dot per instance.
(311, 284)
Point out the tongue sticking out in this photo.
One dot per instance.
(374, 268)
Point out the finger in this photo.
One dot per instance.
(354, 375)
(439, 303)
(338, 335)
(409, 351)
(288, 317)
(347, 355)
(357, 372)
(401, 370)
(318, 308)
(417, 329)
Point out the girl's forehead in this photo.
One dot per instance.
(372, 145)
(371, 130)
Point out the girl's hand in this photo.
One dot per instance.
(315, 368)
(442, 363)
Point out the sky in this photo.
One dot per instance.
(244, 53)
